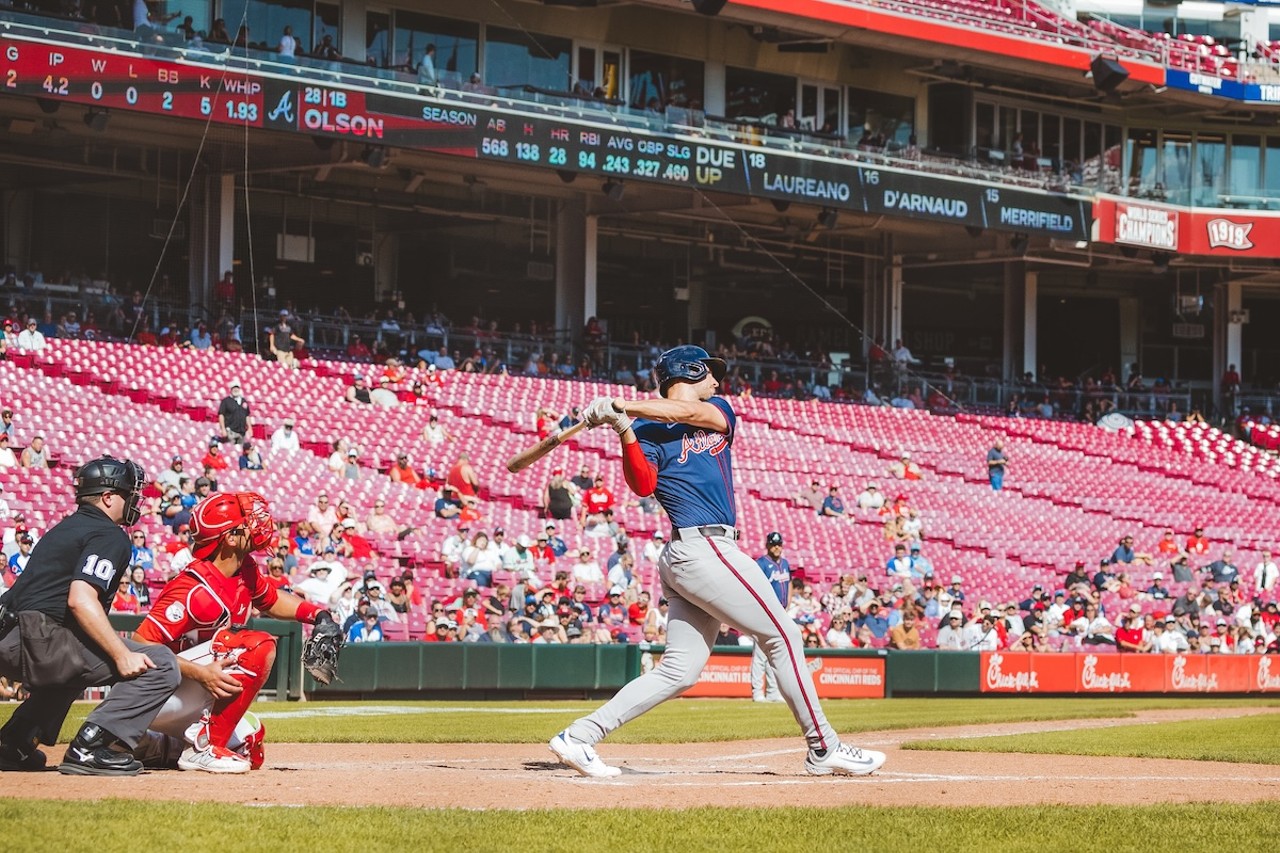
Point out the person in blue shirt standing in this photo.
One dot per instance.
(764, 681)
(680, 450)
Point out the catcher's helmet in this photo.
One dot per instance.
(222, 512)
(108, 474)
(688, 363)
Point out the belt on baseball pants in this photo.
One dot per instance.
(706, 531)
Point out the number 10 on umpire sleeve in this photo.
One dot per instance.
(101, 569)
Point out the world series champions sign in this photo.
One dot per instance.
(198, 86)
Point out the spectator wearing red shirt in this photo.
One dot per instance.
(462, 476)
(1130, 635)
(638, 611)
(598, 498)
(1167, 546)
(1197, 543)
(403, 472)
(214, 458)
(358, 349)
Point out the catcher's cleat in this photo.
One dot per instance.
(213, 759)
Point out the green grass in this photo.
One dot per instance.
(112, 825)
(1250, 740)
(683, 721)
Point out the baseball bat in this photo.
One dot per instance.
(527, 457)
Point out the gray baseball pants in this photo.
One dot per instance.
(126, 712)
(708, 580)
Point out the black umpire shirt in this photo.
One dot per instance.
(87, 546)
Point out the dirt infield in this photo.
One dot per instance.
(739, 773)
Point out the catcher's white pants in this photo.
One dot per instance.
(708, 580)
(183, 712)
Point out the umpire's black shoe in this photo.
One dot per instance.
(90, 754)
(19, 758)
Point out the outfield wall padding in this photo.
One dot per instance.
(453, 668)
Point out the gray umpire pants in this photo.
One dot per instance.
(708, 580)
(126, 712)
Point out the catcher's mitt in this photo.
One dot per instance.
(320, 651)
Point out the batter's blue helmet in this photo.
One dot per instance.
(689, 363)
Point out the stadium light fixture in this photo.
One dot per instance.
(828, 217)
(614, 190)
(566, 176)
(781, 205)
(1160, 262)
(1018, 243)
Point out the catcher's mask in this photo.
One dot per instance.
(223, 512)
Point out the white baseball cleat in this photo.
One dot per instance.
(844, 760)
(581, 757)
(213, 759)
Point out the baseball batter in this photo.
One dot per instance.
(201, 615)
(680, 449)
(777, 569)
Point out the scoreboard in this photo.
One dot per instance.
(198, 87)
(745, 169)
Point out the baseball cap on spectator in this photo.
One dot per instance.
(214, 444)
(573, 631)
(1079, 564)
(550, 526)
(349, 523)
(203, 481)
(1135, 608)
(1222, 622)
(464, 525)
(658, 534)
(321, 568)
(288, 421)
(329, 549)
(985, 605)
(615, 590)
(370, 575)
(1158, 576)
(523, 541)
(955, 579)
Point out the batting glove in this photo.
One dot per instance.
(598, 411)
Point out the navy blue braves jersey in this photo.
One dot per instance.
(779, 575)
(695, 469)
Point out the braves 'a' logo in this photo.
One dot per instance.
(284, 109)
(701, 441)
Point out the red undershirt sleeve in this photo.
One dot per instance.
(641, 474)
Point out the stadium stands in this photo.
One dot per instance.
(1073, 492)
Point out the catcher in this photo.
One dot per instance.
(201, 614)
